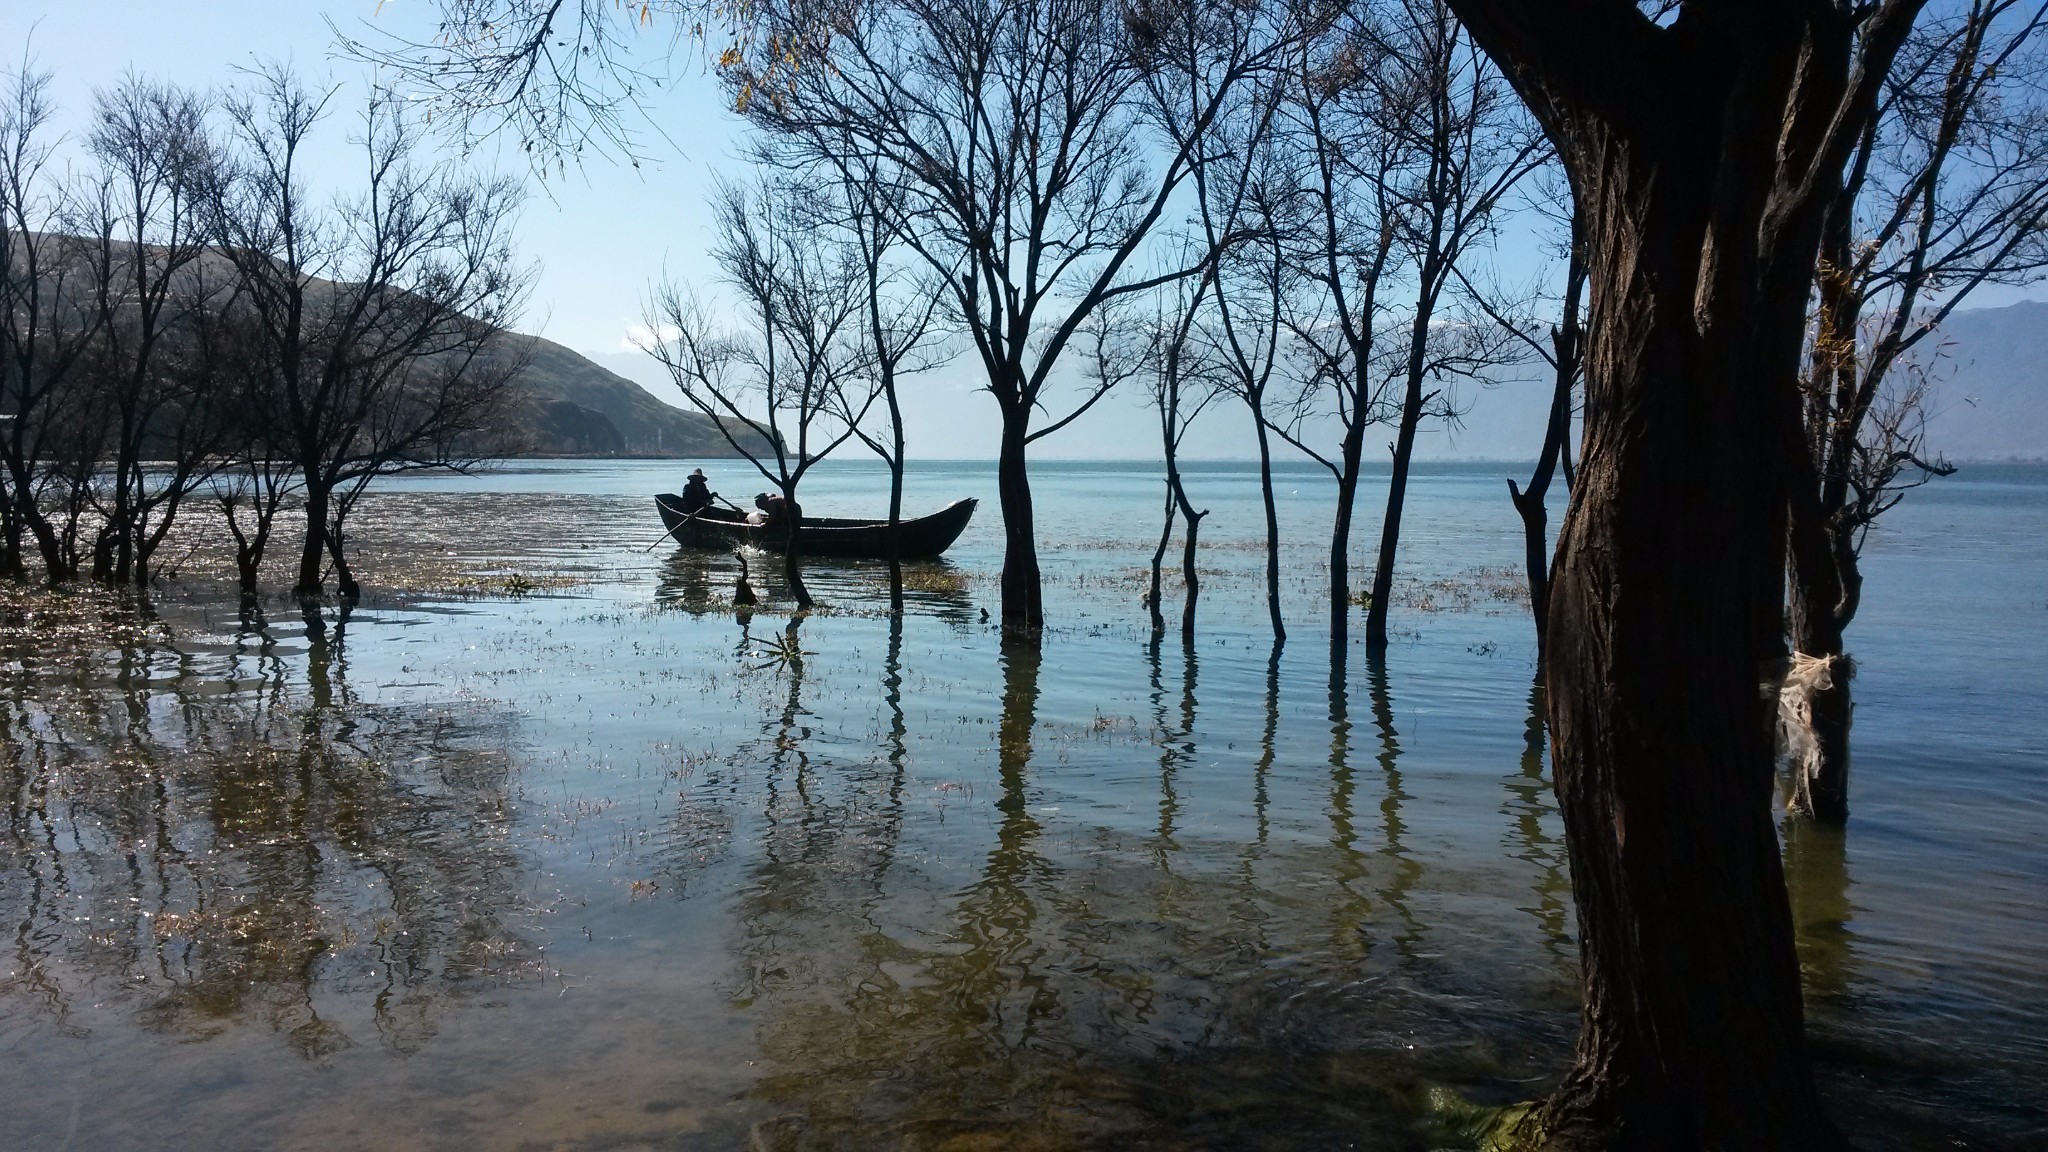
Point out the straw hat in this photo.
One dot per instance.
(696, 473)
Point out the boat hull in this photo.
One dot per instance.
(921, 538)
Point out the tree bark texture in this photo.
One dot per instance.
(1694, 150)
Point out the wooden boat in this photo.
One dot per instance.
(921, 538)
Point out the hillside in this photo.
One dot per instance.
(1990, 393)
(578, 408)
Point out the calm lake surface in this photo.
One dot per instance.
(608, 866)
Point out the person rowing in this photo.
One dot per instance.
(697, 493)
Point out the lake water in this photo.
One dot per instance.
(608, 866)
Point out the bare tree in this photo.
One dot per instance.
(1248, 212)
(52, 306)
(1703, 148)
(900, 315)
(257, 472)
(152, 360)
(1552, 330)
(1463, 146)
(1947, 191)
(1182, 385)
(790, 381)
(1012, 135)
(1342, 168)
(377, 312)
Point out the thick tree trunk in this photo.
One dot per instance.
(1699, 151)
(1667, 605)
(1023, 607)
(27, 515)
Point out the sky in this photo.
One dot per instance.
(603, 233)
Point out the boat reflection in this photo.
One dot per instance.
(700, 581)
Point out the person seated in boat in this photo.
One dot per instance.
(774, 510)
(697, 493)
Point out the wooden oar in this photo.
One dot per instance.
(671, 532)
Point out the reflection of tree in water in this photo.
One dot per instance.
(1079, 985)
(1528, 803)
(226, 850)
(1403, 869)
(1817, 880)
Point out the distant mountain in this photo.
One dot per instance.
(1989, 399)
(579, 408)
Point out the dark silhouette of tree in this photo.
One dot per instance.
(1247, 211)
(376, 313)
(1947, 191)
(158, 396)
(1464, 145)
(51, 312)
(1342, 167)
(792, 379)
(1182, 384)
(1029, 162)
(904, 338)
(1702, 148)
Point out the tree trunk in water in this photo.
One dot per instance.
(1397, 481)
(895, 497)
(792, 559)
(313, 553)
(1158, 559)
(1820, 780)
(1699, 153)
(1187, 567)
(1567, 351)
(1340, 564)
(1666, 606)
(1272, 531)
(344, 578)
(1023, 607)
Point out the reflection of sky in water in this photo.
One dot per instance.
(614, 867)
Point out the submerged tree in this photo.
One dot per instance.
(1013, 140)
(1947, 191)
(1182, 384)
(1559, 346)
(789, 381)
(52, 306)
(161, 402)
(1341, 166)
(1463, 147)
(1702, 146)
(901, 329)
(1247, 211)
(379, 316)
